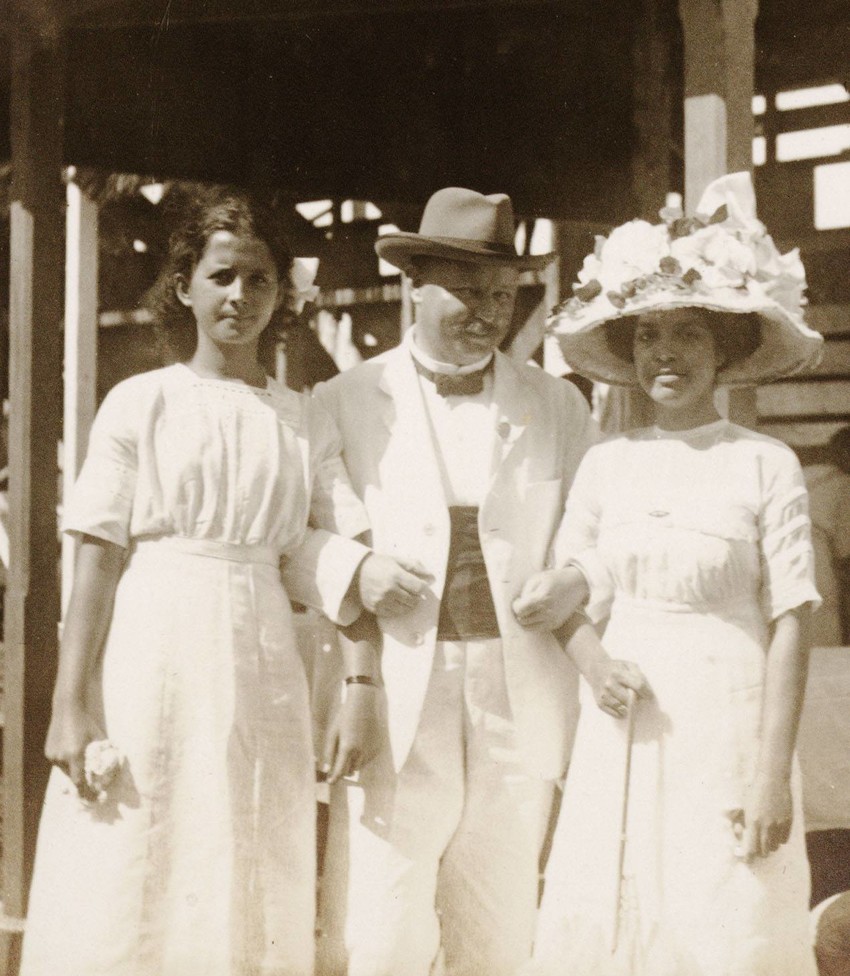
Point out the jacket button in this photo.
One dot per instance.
(418, 638)
(429, 529)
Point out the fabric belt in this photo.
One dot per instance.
(466, 611)
(210, 548)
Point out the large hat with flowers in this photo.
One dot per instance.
(462, 225)
(722, 260)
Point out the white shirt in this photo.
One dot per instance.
(462, 428)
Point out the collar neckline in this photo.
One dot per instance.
(234, 381)
(690, 433)
(435, 366)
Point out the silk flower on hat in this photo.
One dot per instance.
(721, 259)
(727, 248)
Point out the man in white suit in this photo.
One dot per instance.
(463, 459)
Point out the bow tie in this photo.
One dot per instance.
(455, 384)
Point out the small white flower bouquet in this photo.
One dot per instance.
(102, 763)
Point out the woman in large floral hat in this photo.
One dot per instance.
(692, 537)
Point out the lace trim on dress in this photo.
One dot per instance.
(286, 403)
(704, 431)
(234, 384)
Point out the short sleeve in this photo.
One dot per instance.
(101, 501)
(576, 540)
(334, 505)
(787, 556)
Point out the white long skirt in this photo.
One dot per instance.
(688, 905)
(201, 861)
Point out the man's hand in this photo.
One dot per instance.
(355, 737)
(390, 587)
(549, 598)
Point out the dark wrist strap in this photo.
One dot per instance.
(361, 679)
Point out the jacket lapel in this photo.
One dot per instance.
(514, 408)
(411, 461)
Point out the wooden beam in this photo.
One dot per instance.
(812, 117)
(81, 264)
(804, 397)
(392, 291)
(134, 13)
(32, 595)
(343, 297)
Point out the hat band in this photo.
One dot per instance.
(473, 243)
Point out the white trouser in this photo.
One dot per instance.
(444, 853)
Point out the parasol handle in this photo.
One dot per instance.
(624, 814)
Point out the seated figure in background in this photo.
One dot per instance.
(828, 485)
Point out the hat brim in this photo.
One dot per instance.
(401, 248)
(787, 346)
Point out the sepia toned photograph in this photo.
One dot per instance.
(425, 488)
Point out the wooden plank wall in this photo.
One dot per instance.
(806, 410)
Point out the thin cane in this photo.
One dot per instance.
(624, 816)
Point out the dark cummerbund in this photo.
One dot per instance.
(467, 611)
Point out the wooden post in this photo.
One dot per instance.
(652, 166)
(408, 312)
(656, 105)
(719, 38)
(739, 45)
(32, 596)
(553, 360)
(81, 263)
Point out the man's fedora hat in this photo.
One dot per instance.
(462, 225)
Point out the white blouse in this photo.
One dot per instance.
(172, 453)
(695, 520)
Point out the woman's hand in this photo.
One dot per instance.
(72, 726)
(764, 825)
(611, 681)
(549, 598)
(71, 729)
(354, 738)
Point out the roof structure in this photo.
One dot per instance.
(388, 100)
(378, 101)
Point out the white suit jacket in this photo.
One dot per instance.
(544, 427)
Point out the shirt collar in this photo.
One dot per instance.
(434, 365)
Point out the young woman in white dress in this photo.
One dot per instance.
(178, 646)
(693, 536)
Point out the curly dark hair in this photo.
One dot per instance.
(736, 335)
(198, 212)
